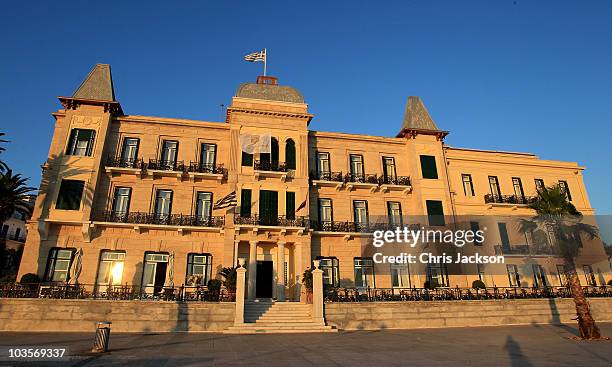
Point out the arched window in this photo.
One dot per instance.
(290, 154)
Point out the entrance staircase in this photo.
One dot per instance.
(267, 316)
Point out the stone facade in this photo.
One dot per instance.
(165, 208)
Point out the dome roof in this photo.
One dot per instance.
(269, 92)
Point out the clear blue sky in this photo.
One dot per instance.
(532, 76)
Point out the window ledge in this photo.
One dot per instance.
(281, 175)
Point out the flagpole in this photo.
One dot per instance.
(265, 60)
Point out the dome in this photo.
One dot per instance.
(270, 92)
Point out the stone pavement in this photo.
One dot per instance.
(535, 345)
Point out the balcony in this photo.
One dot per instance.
(273, 221)
(356, 227)
(206, 170)
(508, 199)
(369, 181)
(118, 162)
(177, 220)
(533, 250)
(270, 169)
(162, 165)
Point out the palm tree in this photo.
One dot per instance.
(3, 165)
(13, 195)
(556, 213)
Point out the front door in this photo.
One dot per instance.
(263, 288)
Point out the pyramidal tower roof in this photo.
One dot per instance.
(417, 116)
(98, 85)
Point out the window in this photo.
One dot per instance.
(58, 265)
(81, 142)
(70, 194)
(247, 159)
(290, 205)
(589, 275)
(331, 275)
(428, 167)
(475, 227)
(494, 186)
(562, 275)
(290, 154)
(169, 153)
(468, 186)
(513, 276)
(565, 189)
(163, 204)
(199, 269)
(539, 184)
(154, 273)
(435, 213)
(400, 276)
(357, 171)
(389, 171)
(364, 272)
(539, 276)
(203, 206)
(325, 212)
(110, 268)
(437, 274)
(518, 188)
(121, 201)
(323, 166)
(129, 152)
(208, 157)
(5, 229)
(394, 209)
(245, 203)
(503, 234)
(360, 210)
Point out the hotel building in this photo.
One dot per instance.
(129, 198)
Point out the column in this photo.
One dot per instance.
(252, 268)
(236, 247)
(280, 271)
(299, 269)
(317, 294)
(240, 277)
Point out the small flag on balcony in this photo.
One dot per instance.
(302, 205)
(226, 202)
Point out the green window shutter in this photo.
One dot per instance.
(428, 167)
(435, 212)
(290, 154)
(290, 205)
(245, 203)
(247, 159)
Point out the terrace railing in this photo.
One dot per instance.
(270, 166)
(280, 221)
(165, 165)
(115, 292)
(359, 178)
(456, 294)
(508, 199)
(207, 168)
(120, 162)
(525, 250)
(164, 219)
(365, 227)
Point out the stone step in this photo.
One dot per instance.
(285, 326)
(278, 331)
(278, 320)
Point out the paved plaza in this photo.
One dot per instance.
(535, 345)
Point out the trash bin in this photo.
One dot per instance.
(102, 336)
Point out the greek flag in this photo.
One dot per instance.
(256, 56)
(226, 202)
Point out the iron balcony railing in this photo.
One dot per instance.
(270, 166)
(207, 168)
(356, 227)
(116, 292)
(508, 199)
(456, 294)
(166, 165)
(265, 220)
(525, 250)
(164, 219)
(359, 178)
(120, 162)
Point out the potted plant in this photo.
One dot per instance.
(307, 282)
(214, 288)
(229, 279)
